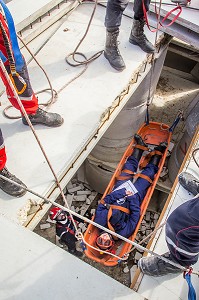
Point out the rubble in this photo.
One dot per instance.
(44, 226)
(146, 228)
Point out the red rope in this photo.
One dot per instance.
(164, 19)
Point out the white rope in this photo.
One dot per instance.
(139, 247)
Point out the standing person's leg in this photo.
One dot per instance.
(137, 36)
(114, 12)
(30, 102)
(22, 84)
(6, 186)
(70, 240)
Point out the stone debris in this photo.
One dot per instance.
(57, 239)
(138, 255)
(74, 189)
(126, 269)
(69, 199)
(50, 221)
(44, 226)
(80, 196)
(146, 228)
(85, 192)
(92, 211)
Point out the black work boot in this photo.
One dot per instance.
(112, 52)
(44, 118)
(10, 188)
(155, 266)
(189, 182)
(76, 252)
(137, 36)
(155, 159)
(137, 153)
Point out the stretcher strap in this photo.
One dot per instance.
(125, 177)
(124, 209)
(148, 157)
(110, 212)
(144, 148)
(144, 177)
(108, 220)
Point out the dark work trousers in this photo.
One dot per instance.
(115, 9)
(69, 239)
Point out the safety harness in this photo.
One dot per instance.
(15, 59)
(66, 226)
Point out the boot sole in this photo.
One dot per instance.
(118, 69)
(40, 123)
(17, 195)
(135, 43)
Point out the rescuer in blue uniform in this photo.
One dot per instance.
(182, 234)
(124, 223)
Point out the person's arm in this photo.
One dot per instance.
(110, 198)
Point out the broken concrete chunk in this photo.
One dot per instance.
(74, 189)
(44, 226)
(69, 185)
(50, 221)
(84, 228)
(87, 186)
(86, 192)
(138, 255)
(126, 269)
(92, 211)
(81, 225)
(156, 216)
(69, 199)
(88, 201)
(148, 216)
(80, 198)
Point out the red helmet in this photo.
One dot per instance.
(104, 241)
(54, 213)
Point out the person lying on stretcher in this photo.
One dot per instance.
(120, 210)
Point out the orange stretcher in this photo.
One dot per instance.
(153, 134)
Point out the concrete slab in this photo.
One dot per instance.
(33, 268)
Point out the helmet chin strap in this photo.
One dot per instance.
(63, 221)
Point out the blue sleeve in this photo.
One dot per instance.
(113, 196)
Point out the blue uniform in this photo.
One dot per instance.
(182, 233)
(123, 223)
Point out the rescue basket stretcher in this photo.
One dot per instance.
(153, 134)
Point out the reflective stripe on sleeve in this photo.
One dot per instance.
(169, 241)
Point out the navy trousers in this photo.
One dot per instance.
(115, 9)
